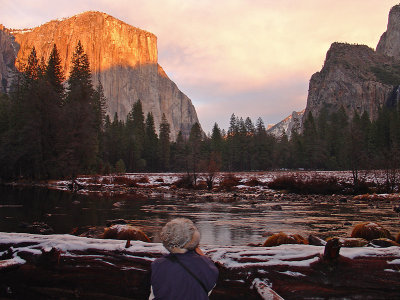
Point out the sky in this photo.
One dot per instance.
(252, 58)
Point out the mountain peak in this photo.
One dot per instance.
(389, 43)
(122, 57)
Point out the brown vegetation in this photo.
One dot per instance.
(185, 181)
(143, 179)
(314, 185)
(370, 231)
(229, 182)
(254, 182)
(283, 238)
(125, 232)
(125, 180)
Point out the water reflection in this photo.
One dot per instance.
(236, 223)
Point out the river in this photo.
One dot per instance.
(239, 222)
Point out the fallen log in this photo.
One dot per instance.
(70, 267)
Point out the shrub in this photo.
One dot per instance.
(284, 182)
(120, 166)
(106, 180)
(370, 231)
(143, 179)
(229, 182)
(202, 185)
(125, 180)
(254, 182)
(94, 179)
(315, 185)
(185, 181)
(282, 238)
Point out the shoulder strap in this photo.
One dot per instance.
(173, 258)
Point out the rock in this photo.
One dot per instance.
(125, 232)
(352, 242)
(283, 238)
(382, 243)
(332, 249)
(389, 43)
(358, 78)
(347, 224)
(316, 241)
(276, 207)
(122, 57)
(348, 80)
(8, 49)
(290, 124)
(370, 231)
(37, 228)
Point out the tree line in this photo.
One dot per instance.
(56, 128)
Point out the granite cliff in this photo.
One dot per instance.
(8, 51)
(122, 57)
(356, 77)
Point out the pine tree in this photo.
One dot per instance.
(150, 149)
(55, 75)
(81, 132)
(216, 139)
(164, 145)
(195, 138)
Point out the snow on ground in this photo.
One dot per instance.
(165, 180)
(231, 257)
(66, 243)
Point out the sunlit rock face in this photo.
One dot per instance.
(122, 57)
(358, 78)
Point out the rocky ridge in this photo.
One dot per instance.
(289, 124)
(8, 50)
(356, 77)
(123, 58)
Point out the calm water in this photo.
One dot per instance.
(237, 223)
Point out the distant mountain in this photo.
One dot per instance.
(358, 78)
(123, 58)
(292, 122)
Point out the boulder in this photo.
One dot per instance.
(370, 231)
(283, 238)
(351, 242)
(125, 232)
(382, 243)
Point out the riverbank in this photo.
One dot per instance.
(70, 267)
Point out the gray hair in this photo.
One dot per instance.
(179, 233)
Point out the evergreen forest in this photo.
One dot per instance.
(56, 128)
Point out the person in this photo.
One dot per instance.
(185, 273)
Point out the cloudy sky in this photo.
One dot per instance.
(252, 58)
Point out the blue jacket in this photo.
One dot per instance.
(170, 281)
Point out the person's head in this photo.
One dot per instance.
(179, 235)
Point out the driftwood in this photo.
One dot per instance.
(69, 267)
